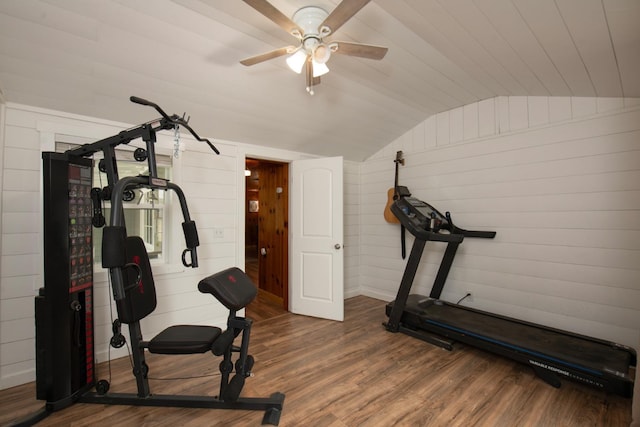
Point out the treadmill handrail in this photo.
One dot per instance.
(407, 210)
(418, 228)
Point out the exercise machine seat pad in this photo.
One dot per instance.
(184, 339)
(140, 290)
(232, 287)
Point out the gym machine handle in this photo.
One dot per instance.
(114, 236)
(142, 101)
(192, 241)
(173, 119)
(189, 229)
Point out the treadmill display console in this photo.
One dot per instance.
(427, 223)
(424, 221)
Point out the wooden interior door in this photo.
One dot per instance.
(270, 179)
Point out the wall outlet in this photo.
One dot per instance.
(470, 297)
(218, 233)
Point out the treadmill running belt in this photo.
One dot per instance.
(580, 352)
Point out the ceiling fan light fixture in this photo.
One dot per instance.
(310, 25)
(309, 19)
(319, 68)
(297, 60)
(321, 53)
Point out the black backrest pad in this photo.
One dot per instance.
(140, 295)
(231, 287)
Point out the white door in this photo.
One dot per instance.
(316, 282)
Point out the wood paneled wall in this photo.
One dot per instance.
(273, 228)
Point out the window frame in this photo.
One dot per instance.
(164, 162)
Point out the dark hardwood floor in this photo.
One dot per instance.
(251, 265)
(266, 305)
(351, 373)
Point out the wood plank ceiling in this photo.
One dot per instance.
(89, 56)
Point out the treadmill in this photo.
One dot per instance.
(552, 353)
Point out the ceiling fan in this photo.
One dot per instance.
(310, 25)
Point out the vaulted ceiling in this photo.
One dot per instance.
(88, 57)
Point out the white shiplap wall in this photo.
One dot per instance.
(351, 229)
(557, 178)
(213, 186)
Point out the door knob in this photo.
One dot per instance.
(337, 246)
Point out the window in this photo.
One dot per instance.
(147, 210)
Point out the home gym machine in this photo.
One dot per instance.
(64, 312)
(553, 354)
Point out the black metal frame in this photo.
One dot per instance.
(442, 323)
(405, 209)
(64, 306)
(54, 389)
(272, 405)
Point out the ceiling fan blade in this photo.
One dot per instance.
(342, 13)
(267, 56)
(361, 50)
(268, 10)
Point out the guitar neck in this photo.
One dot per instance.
(395, 182)
(399, 160)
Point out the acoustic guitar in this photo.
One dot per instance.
(392, 193)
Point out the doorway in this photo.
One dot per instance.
(267, 230)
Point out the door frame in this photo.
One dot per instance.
(267, 154)
(276, 263)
